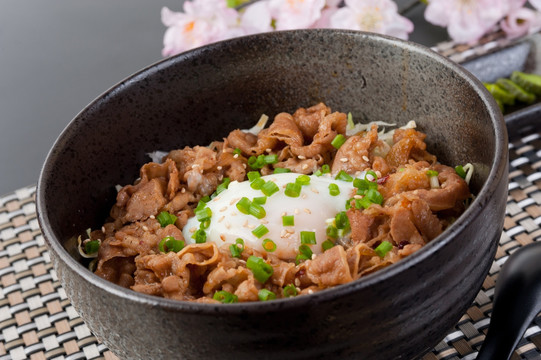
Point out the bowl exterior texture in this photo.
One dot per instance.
(199, 96)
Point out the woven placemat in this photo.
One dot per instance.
(37, 321)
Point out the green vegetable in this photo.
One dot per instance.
(293, 190)
(261, 270)
(500, 94)
(338, 141)
(269, 188)
(290, 291)
(203, 214)
(165, 218)
(326, 245)
(281, 170)
(244, 205)
(308, 237)
(169, 243)
(383, 248)
(460, 171)
(303, 180)
(223, 186)
(515, 90)
(260, 231)
(225, 297)
(237, 248)
(334, 190)
(529, 82)
(252, 175)
(269, 245)
(266, 295)
(257, 210)
(261, 200)
(92, 247)
(257, 183)
(200, 236)
(288, 220)
(344, 176)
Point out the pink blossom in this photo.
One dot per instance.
(256, 18)
(467, 20)
(379, 16)
(202, 22)
(520, 22)
(295, 14)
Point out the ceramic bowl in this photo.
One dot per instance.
(397, 313)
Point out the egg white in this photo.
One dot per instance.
(314, 205)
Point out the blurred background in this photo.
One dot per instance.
(56, 56)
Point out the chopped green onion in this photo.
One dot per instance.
(306, 251)
(341, 220)
(270, 159)
(266, 295)
(344, 176)
(257, 184)
(372, 174)
(326, 245)
(332, 231)
(237, 248)
(269, 245)
(261, 270)
(293, 190)
(257, 210)
(338, 141)
(165, 218)
(225, 297)
(299, 258)
(431, 173)
(204, 224)
(302, 180)
(261, 200)
(252, 175)
(383, 248)
(325, 169)
(290, 291)
(334, 189)
(374, 196)
(281, 170)
(269, 188)
(260, 231)
(288, 220)
(365, 203)
(459, 169)
(200, 236)
(223, 186)
(318, 172)
(350, 123)
(169, 243)
(92, 246)
(308, 237)
(237, 151)
(203, 214)
(244, 205)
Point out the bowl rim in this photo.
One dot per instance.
(497, 171)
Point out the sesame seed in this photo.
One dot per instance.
(305, 166)
(223, 209)
(244, 165)
(219, 167)
(283, 233)
(234, 214)
(304, 196)
(234, 201)
(357, 196)
(302, 157)
(314, 190)
(222, 237)
(307, 211)
(236, 156)
(221, 219)
(194, 229)
(183, 190)
(297, 282)
(290, 231)
(313, 256)
(195, 165)
(310, 291)
(216, 198)
(220, 177)
(227, 226)
(145, 228)
(344, 160)
(251, 226)
(296, 211)
(152, 217)
(365, 158)
(264, 221)
(268, 150)
(357, 173)
(284, 213)
(378, 173)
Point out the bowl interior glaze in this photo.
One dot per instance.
(200, 96)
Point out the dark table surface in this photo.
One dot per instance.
(56, 56)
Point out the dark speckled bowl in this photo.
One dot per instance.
(199, 96)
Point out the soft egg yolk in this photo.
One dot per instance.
(310, 209)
